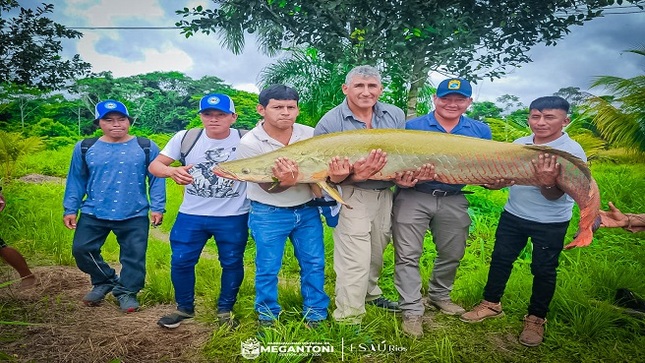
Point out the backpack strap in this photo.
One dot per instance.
(144, 143)
(190, 138)
(188, 142)
(85, 145)
(242, 132)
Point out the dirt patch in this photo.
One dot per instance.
(54, 326)
(39, 179)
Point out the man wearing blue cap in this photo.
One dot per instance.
(108, 182)
(212, 206)
(439, 206)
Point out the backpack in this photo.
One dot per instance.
(190, 139)
(144, 143)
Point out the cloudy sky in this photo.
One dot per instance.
(591, 50)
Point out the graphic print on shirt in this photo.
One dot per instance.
(205, 183)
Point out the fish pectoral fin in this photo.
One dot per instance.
(333, 192)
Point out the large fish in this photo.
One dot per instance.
(457, 160)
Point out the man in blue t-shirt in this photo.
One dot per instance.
(109, 184)
(438, 206)
(541, 213)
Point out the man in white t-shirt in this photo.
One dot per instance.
(541, 213)
(212, 206)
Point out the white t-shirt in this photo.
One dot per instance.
(208, 194)
(258, 142)
(527, 201)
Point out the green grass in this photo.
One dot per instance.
(583, 325)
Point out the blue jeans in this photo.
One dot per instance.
(270, 227)
(510, 238)
(132, 236)
(187, 239)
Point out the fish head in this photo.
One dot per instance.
(245, 170)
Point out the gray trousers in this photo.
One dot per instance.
(447, 218)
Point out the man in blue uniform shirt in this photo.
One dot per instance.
(441, 207)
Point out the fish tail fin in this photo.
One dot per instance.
(588, 218)
(333, 192)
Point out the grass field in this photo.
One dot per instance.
(583, 324)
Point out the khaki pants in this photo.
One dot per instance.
(447, 217)
(359, 241)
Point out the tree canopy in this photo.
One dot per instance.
(30, 47)
(470, 38)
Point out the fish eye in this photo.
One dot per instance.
(246, 171)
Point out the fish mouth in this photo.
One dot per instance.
(225, 173)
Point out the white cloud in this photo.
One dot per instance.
(113, 12)
(248, 87)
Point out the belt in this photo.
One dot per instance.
(318, 202)
(443, 193)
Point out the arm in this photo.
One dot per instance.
(615, 218)
(547, 170)
(157, 191)
(75, 187)
(3, 203)
(159, 167)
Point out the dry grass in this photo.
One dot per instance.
(61, 329)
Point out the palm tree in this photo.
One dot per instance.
(317, 80)
(620, 118)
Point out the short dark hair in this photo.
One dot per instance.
(278, 92)
(550, 103)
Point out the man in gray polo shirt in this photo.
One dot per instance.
(364, 231)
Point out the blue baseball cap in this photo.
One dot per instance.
(217, 101)
(104, 107)
(454, 85)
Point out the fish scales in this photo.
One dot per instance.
(457, 160)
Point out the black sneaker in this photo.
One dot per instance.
(227, 319)
(171, 321)
(385, 304)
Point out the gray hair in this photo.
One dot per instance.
(363, 71)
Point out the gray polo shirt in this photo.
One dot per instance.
(341, 118)
(527, 202)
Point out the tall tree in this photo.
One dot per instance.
(474, 39)
(574, 95)
(30, 46)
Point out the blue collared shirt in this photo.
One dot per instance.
(466, 127)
